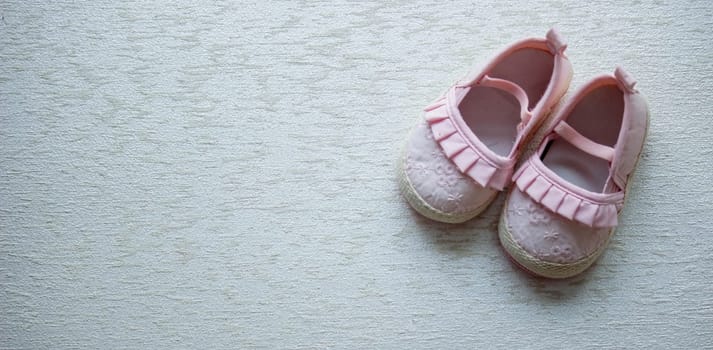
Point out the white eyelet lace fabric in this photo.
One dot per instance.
(436, 179)
(548, 236)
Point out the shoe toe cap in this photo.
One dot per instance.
(437, 180)
(548, 236)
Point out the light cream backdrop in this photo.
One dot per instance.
(194, 175)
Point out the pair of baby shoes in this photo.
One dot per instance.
(566, 198)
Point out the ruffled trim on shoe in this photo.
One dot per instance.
(461, 152)
(597, 210)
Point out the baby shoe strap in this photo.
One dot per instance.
(588, 146)
(513, 89)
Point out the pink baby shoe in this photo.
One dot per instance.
(464, 151)
(558, 218)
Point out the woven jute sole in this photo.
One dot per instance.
(550, 269)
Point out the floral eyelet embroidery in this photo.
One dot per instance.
(551, 235)
(537, 215)
(447, 181)
(421, 168)
(455, 197)
(454, 201)
(563, 253)
(447, 176)
(518, 210)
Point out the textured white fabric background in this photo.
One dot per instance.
(188, 175)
